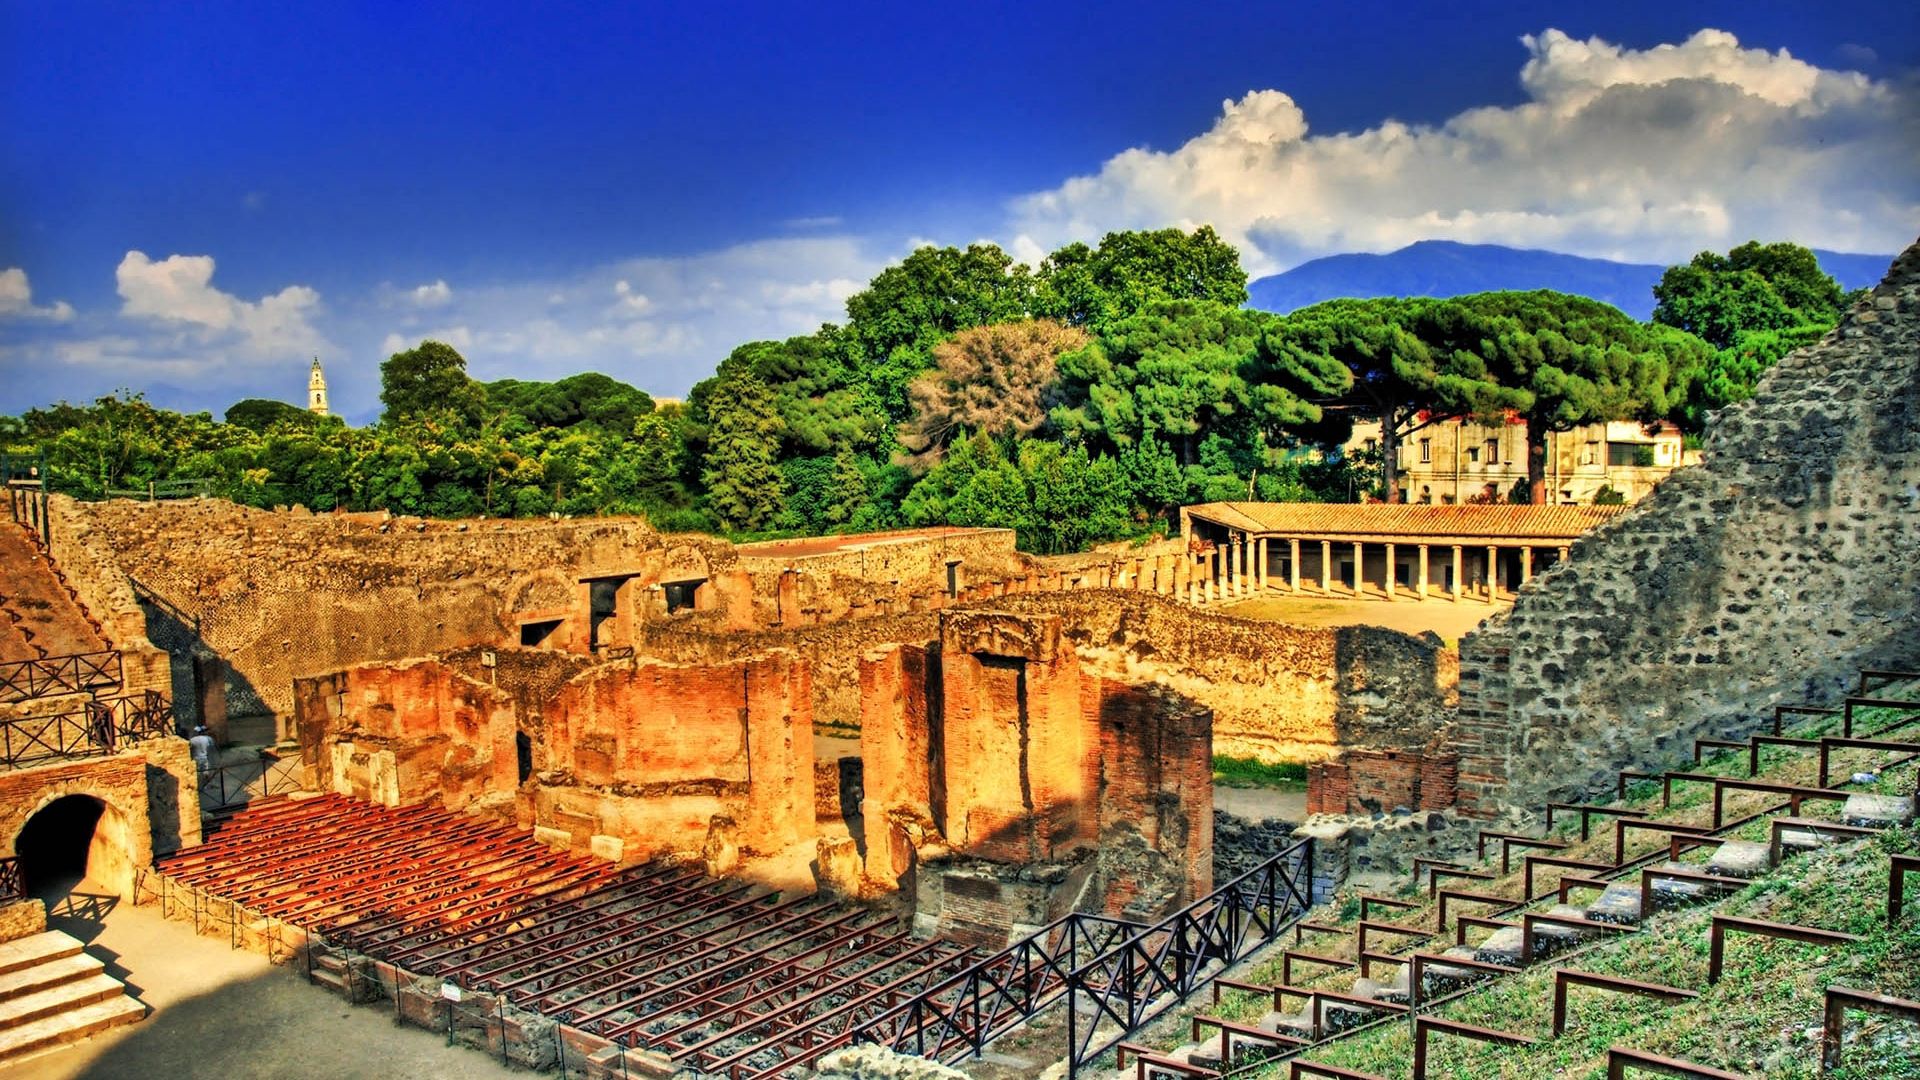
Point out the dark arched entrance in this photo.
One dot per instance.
(71, 838)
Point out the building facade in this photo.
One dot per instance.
(1453, 462)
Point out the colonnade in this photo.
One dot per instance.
(1249, 564)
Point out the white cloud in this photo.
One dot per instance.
(662, 323)
(1646, 154)
(16, 299)
(433, 295)
(179, 290)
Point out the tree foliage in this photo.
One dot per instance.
(430, 380)
(988, 378)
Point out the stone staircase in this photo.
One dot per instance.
(40, 616)
(52, 993)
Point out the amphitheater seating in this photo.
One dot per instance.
(1689, 842)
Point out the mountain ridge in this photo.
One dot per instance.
(1444, 268)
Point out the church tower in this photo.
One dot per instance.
(317, 390)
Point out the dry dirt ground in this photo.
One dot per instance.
(1443, 617)
(215, 1012)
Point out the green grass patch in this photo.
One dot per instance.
(1247, 773)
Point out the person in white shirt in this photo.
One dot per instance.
(202, 746)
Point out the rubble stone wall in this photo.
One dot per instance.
(1766, 575)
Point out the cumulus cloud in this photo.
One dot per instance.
(179, 291)
(16, 299)
(433, 295)
(1647, 154)
(662, 323)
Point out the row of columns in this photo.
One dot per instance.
(1239, 568)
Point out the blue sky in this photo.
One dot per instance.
(194, 199)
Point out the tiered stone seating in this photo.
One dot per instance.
(1362, 970)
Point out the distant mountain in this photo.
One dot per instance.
(1446, 268)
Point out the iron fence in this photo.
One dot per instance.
(1126, 972)
(234, 785)
(75, 673)
(11, 887)
(99, 728)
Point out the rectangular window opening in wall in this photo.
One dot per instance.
(1473, 454)
(534, 635)
(681, 595)
(953, 577)
(1493, 451)
(1426, 451)
(1629, 454)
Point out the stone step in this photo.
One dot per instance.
(335, 981)
(71, 1026)
(1874, 811)
(53, 972)
(64, 997)
(1669, 895)
(1619, 904)
(1799, 841)
(36, 949)
(1745, 859)
(1442, 979)
(1502, 948)
(329, 963)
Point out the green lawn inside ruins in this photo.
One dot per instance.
(1762, 1018)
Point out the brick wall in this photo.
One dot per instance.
(1766, 576)
(123, 838)
(1383, 781)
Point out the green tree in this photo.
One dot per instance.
(1754, 305)
(260, 414)
(1562, 361)
(1095, 287)
(742, 474)
(931, 294)
(427, 380)
(586, 398)
(1181, 369)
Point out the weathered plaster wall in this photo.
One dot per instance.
(407, 732)
(1767, 575)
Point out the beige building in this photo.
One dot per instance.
(1375, 549)
(1451, 462)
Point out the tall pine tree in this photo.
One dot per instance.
(744, 484)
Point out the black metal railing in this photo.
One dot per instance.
(99, 728)
(11, 887)
(75, 673)
(235, 784)
(1125, 972)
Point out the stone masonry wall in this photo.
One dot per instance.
(1767, 575)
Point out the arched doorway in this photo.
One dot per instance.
(71, 838)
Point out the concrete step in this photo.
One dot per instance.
(65, 997)
(70, 1026)
(335, 981)
(1746, 859)
(60, 969)
(1874, 811)
(329, 963)
(1502, 948)
(1619, 904)
(21, 953)
(1442, 979)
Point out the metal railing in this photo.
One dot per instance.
(232, 786)
(75, 673)
(1128, 972)
(11, 886)
(100, 728)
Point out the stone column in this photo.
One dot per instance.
(1359, 566)
(1293, 565)
(1566, 553)
(1326, 567)
(1493, 571)
(1246, 564)
(1215, 563)
(1260, 565)
(1459, 567)
(1526, 564)
(1392, 572)
(1422, 588)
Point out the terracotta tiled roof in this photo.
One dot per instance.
(1381, 519)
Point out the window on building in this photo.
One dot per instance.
(681, 594)
(1426, 451)
(1592, 455)
(1493, 451)
(1629, 454)
(535, 634)
(1473, 454)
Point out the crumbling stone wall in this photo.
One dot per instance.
(629, 759)
(1383, 781)
(123, 838)
(1277, 692)
(1767, 575)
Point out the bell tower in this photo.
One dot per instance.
(317, 390)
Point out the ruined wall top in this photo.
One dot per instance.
(1766, 575)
